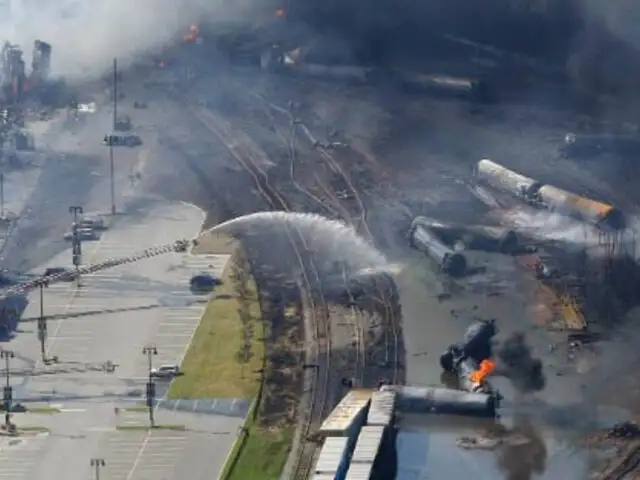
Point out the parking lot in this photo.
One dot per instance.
(166, 454)
(109, 319)
(18, 456)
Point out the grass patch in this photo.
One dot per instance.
(33, 428)
(263, 455)
(263, 449)
(179, 428)
(43, 410)
(136, 408)
(226, 354)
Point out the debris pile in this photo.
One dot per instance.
(624, 430)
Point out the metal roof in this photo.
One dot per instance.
(383, 404)
(359, 471)
(331, 455)
(343, 415)
(368, 444)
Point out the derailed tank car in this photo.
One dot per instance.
(450, 262)
(598, 214)
(476, 344)
(502, 178)
(590, 211)
(475, 237)
(474, 89)
(443, 401)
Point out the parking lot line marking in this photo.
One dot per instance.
(176, 325)
(139, 456)
(93, 253)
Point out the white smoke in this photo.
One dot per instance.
(542, 225)
(551, 227)
(86, 35)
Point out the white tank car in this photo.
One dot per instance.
(590, 211)
(502, 178)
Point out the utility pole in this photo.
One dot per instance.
(151, 350)
(7, 391)
(115, 92)
(97, 464)
(76, 243)
(2, 194)
(111, 152)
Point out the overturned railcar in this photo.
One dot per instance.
(450, 262)
(599, 214)
(475, 237)
(596, 213)
(502, 178)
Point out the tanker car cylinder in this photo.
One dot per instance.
(465, 367)
(477, 237)
(450, 262)
(412, 399)
(476, 345)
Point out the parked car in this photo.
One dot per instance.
(94, 223)
(84, 234)
(65, 273)
(123, 123)
(203, 282)
(166, 371)
(122, 140)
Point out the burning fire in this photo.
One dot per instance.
(486, 368)
(194, 33)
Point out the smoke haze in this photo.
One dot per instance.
(87, 35)
(522, 368)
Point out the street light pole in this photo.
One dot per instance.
(7, 355)
(2, 194)
(111, 152)
(112, 178)
(42, 325)
(76, 244)
(75, 211)
(97, 464)
(115, 92)
(151, 350)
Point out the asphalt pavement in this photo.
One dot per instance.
(110, 317)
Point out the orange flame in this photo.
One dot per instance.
(194, 33)
(486, 368)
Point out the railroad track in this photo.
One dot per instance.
(329, 201)
(627, 468)
(320, 391)
(393, 325)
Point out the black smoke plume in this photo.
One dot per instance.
(519, 365)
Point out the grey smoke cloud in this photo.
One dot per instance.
(87, 34)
